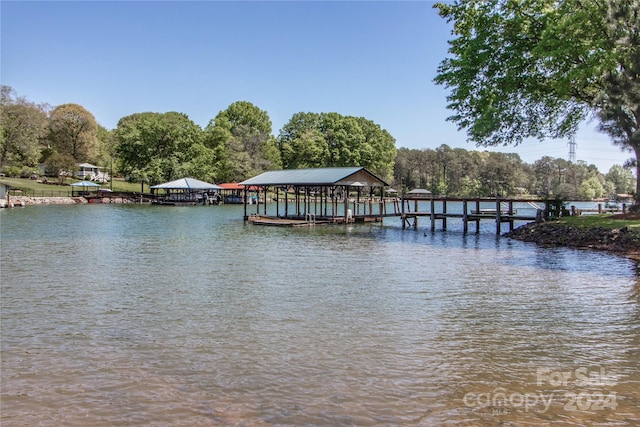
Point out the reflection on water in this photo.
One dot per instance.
(120, 315)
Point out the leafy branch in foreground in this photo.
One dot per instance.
(537, 68)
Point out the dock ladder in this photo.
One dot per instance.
(311, 218)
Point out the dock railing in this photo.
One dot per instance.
(473, 210)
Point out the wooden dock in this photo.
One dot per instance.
(472, 211)
(439, 211)
(280, 222)
(310, 220)
(353, 194)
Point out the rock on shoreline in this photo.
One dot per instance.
(621, 241)
(30, 200)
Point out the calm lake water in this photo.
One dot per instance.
(119, 315)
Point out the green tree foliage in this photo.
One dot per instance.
(200, 163)
(74, 131)
(378, 150)
(311, 140)
(501, 173)
(343, 137)
(155, 147)
(22, 127)
(591, 189)
(621, 179)
(618, 103)
(60, 166)
(462, 173)
(536, 69)
(106, 148)
(558, 178)
(416, 169)
(241, 139)
(302, 145)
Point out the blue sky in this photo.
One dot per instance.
(371, 59)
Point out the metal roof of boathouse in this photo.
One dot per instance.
(186, 184)
(317, 177)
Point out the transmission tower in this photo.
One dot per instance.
(572, 149)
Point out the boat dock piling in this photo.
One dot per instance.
(438, 211)
(343, 194)
(503, 212)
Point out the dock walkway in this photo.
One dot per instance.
(410, 210)
(472, 211)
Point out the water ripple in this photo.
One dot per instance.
(125, 315)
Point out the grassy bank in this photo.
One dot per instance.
(631, 221)
(37, 188)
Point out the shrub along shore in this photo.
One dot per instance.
(618, 234)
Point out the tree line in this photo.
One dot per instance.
(458, 172)
(155, 147)
(538, 68)
(238, 143)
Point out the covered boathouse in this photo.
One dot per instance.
(311, 196)
(185, 191)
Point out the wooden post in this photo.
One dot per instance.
(325, 192)
(258, 200)
(444, 211)
(307, 202)
(402, 213)
(511, 215)
(345, 196)
(433, 214)
(333, 204)
(244, 199)
(498, 219)
(477, 220)
(286, 202)
(465, 225)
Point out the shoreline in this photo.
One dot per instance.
(617, 241)
(21, 201)
(29, 200)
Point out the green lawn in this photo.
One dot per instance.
(604, 221)
(34, 188)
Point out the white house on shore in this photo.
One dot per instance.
(91, 172)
